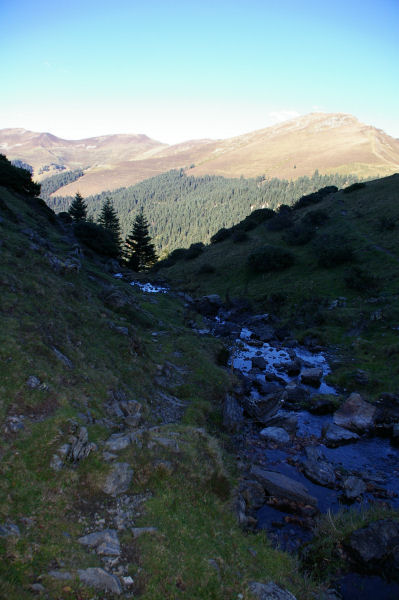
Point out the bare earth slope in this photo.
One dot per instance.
(327, 142)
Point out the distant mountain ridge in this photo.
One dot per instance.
(331, 142)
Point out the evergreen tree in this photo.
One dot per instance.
(109, 220)
(139, 251)
(78, 209)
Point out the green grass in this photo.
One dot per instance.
(359, 329)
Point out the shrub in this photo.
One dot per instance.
(315, 217)
(97, 238)
(194, 251)
(220, 235)
(176, 255)
(270, 258)
(280, 222)
(239, 236)
(386, 223)
(299, 235)
(354, 187)
(315, 197)
(333, 250)
(361, 281)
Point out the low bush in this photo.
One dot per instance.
(315, 217)
(220, 235)
(194, 251)
(333, 250)
(315, 197)
(354, 187)
(386, 223)
(270, 258)
(239, 236)
(280, 222)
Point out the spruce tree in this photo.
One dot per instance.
(109, 220)
(139, 251)
(78, 209)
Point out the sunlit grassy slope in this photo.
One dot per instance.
(360, 319)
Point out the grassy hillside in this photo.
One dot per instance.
(74, 343)
(353, 305)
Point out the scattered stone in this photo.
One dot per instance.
(118, 441)
(269, 591)
(56, 462)
(281, 486)
(80, 446)
(33, 382)
(119, 479)
(116, 298)
(253, 494)
(277, 435)
(232, 414)
(312, 376)
(334, 436)
(62, 575)
(127, 581)
(9, 530)
(14, 423)
(67, 362)
(37, 588)
(138, 531)
(105, 542)
(101, 580)
(317, 469)
(353, 487)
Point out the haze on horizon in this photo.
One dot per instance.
(179, 71)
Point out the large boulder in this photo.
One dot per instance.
(281, 486)
(317, 469)
(355, 414)
(276, 435)
(376, 547)
(208, 306)
(232, 414)
(263, 409)
(101, 580)
(312, 376)
(269, 591)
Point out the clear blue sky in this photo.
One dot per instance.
(180, 70)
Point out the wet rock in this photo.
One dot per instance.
(334, 436)
(317, 469)
(269, 591)
(9, 530)
(226, 329)
(295, 396)
(312, 376)
(277, 435)
(355, 414)
(281, 486)
(292, 368)
(80, 446)
(264, 333)
(353, 487)
(284, 420)
(101, 580)
(106, 542)
(263, 409)
(119, 479)
(208, 306)
(376, 545)
(258, 362)
(232, 414)
(253, 494)
(321, 404)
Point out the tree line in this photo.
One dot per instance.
(184, 209)
(137, 252)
